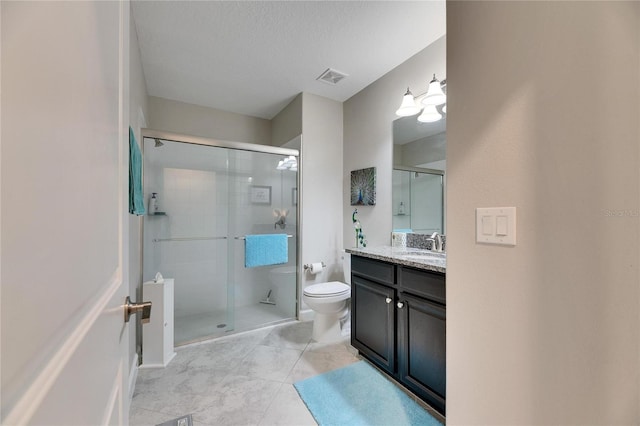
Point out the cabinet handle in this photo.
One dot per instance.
(388, 300)
(400, 305)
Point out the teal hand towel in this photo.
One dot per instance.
(265, 249)
(136, 200)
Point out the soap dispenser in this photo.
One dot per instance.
(153, 203)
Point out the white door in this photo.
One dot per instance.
(64, 174)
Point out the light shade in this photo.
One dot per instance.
(435, 95)
(408, 106)
(429, 115)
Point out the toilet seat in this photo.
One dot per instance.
(329, 289)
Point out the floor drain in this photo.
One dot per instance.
(221, 325)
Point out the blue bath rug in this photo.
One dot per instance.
(360, 395)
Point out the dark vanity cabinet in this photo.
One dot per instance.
(399, 324)
(422, 334)
(373, 317)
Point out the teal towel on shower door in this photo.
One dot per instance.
(265, 249)
(136, 200)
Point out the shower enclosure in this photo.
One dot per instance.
(209, 196)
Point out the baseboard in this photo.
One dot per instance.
(158, 365)
(133, 375)
(306, 315)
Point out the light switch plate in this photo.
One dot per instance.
(496, 225)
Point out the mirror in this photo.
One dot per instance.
(419, 166)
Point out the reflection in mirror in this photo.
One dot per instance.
(418, 201)
(419, 165)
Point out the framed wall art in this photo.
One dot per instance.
(260, 195)
(363, 187)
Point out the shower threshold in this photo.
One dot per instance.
(200, 327)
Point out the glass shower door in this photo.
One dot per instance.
(262, 200)
(209, 199)
(186, 239)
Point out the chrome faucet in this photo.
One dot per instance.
(437, 242)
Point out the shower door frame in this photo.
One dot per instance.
(218, 143)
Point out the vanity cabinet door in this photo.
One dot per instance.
(422, 348)
(373, 322)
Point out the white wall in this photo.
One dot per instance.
(368, 139)
(543, 106)
(321, 199)
(287, 124)
(195, 120)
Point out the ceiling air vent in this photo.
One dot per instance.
(331, 76)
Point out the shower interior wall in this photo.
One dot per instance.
(196, 192)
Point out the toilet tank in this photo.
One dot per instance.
(346, 266)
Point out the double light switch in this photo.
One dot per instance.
(496, 225)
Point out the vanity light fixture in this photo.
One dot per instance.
(408, 106)
(429, 114)
(435, 96)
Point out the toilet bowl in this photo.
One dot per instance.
(329, 302)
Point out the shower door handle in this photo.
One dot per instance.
(133, 308)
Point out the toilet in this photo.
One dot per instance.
(329, 302)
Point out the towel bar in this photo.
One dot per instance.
(243, 238)
(157, 240)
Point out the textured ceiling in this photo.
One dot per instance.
(254, 57)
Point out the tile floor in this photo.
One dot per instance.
(243, 379)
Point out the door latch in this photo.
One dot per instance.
(134, 308)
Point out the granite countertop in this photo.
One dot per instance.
(416, 258)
